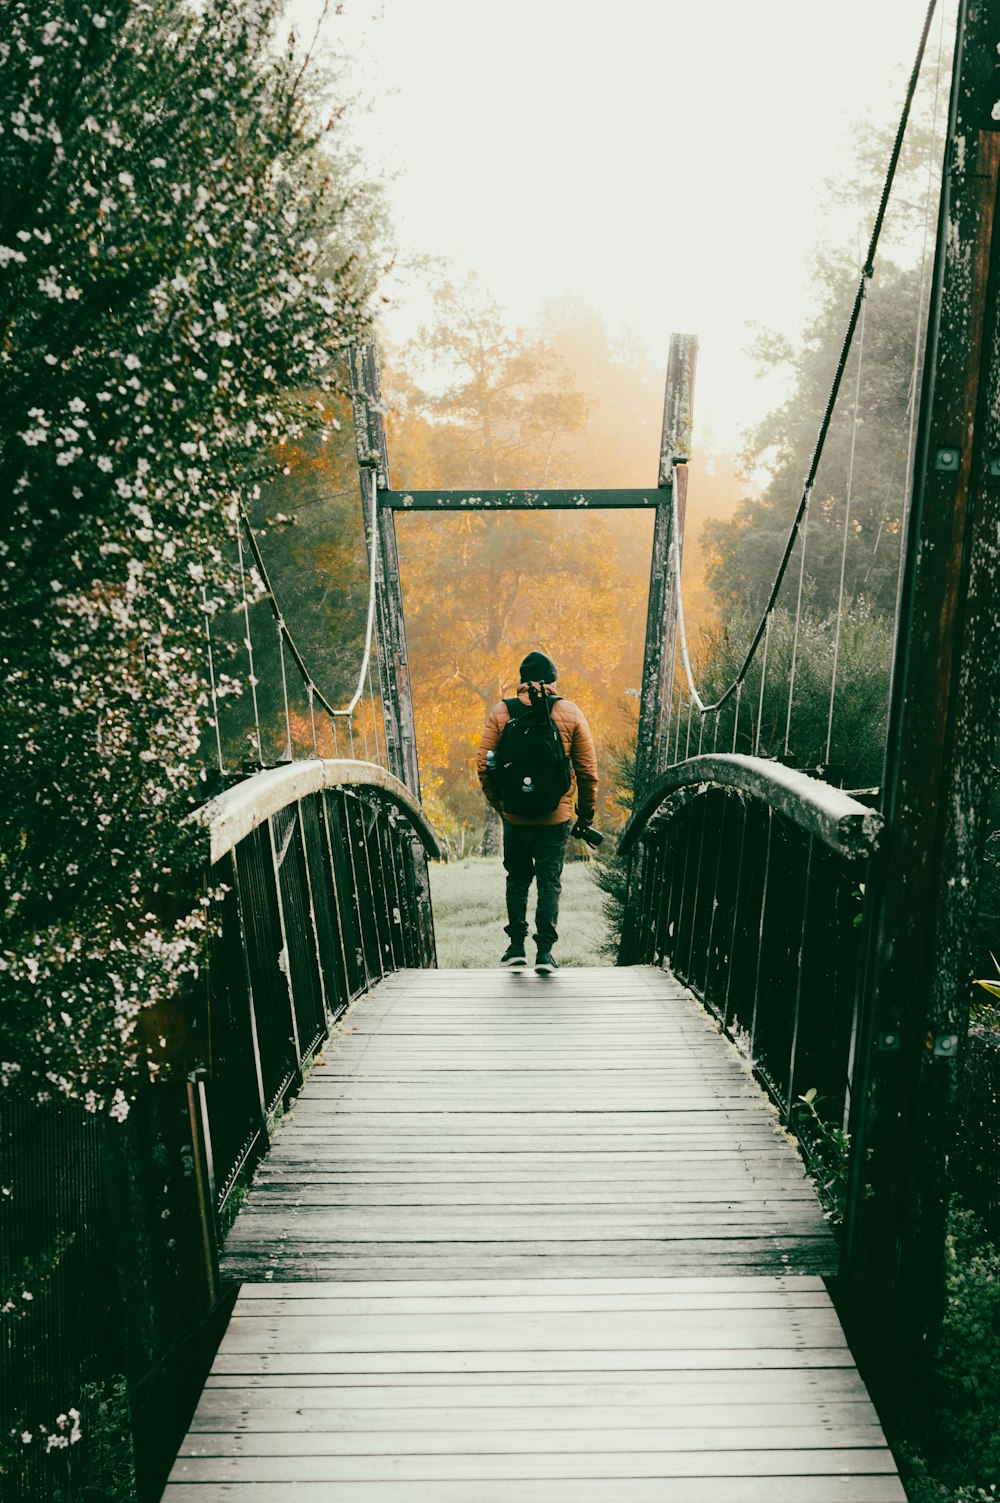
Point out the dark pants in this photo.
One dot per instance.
(534, 851)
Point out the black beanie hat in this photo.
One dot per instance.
(538, 669)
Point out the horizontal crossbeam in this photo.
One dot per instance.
(493, 500)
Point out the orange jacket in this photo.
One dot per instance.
(578, 744)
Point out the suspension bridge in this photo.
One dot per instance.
(552, 1238)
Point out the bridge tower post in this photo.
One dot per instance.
(913, 999)
(393, 657)
(661, 620)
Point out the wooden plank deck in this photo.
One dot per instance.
(532, 1239)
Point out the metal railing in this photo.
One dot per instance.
(110, 1231)
(318, 891)
(746, 880)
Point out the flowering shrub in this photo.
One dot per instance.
(176, 269)
(83, 1455)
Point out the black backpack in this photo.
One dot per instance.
(532, 768)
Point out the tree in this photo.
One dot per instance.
(496, 405)
(744, 550)
(171, 224)
(481, 591)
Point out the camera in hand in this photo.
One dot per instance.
(594, 838)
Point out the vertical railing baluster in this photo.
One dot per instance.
(731, 968)
(760, 930)
(801, 968)
(702, 805)
(724, 802)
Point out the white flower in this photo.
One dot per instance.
(126, 179)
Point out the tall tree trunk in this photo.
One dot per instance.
(493, 834)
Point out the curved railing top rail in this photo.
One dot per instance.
(832, 815)
(230, 816)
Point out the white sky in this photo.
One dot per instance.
(664, 160)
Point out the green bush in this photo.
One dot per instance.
(828, 1154)
(82, 1456)
(959, 1456)
(178, 269)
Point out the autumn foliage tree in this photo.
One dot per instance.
(478, 403)
(474, 402)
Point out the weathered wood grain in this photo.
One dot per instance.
(493, 1116)
(525, 1490)
(528, 1241)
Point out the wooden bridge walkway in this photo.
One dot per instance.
(532, 1239)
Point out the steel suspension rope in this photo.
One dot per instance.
(248, 643)
(867, 273)
(314, 693)
(912, 431)
(847, 526)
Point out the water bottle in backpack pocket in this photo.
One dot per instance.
(533, 770)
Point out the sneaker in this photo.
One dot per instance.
(546, 963)
(514, 956)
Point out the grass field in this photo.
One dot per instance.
(469, 914)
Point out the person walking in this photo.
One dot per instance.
(536, 752)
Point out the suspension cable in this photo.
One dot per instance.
(310, 683)
(847, 527)
(211, 678)
(675, 569)
(917, 343)
(798, 619)
(248, 643)
(867, 273)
